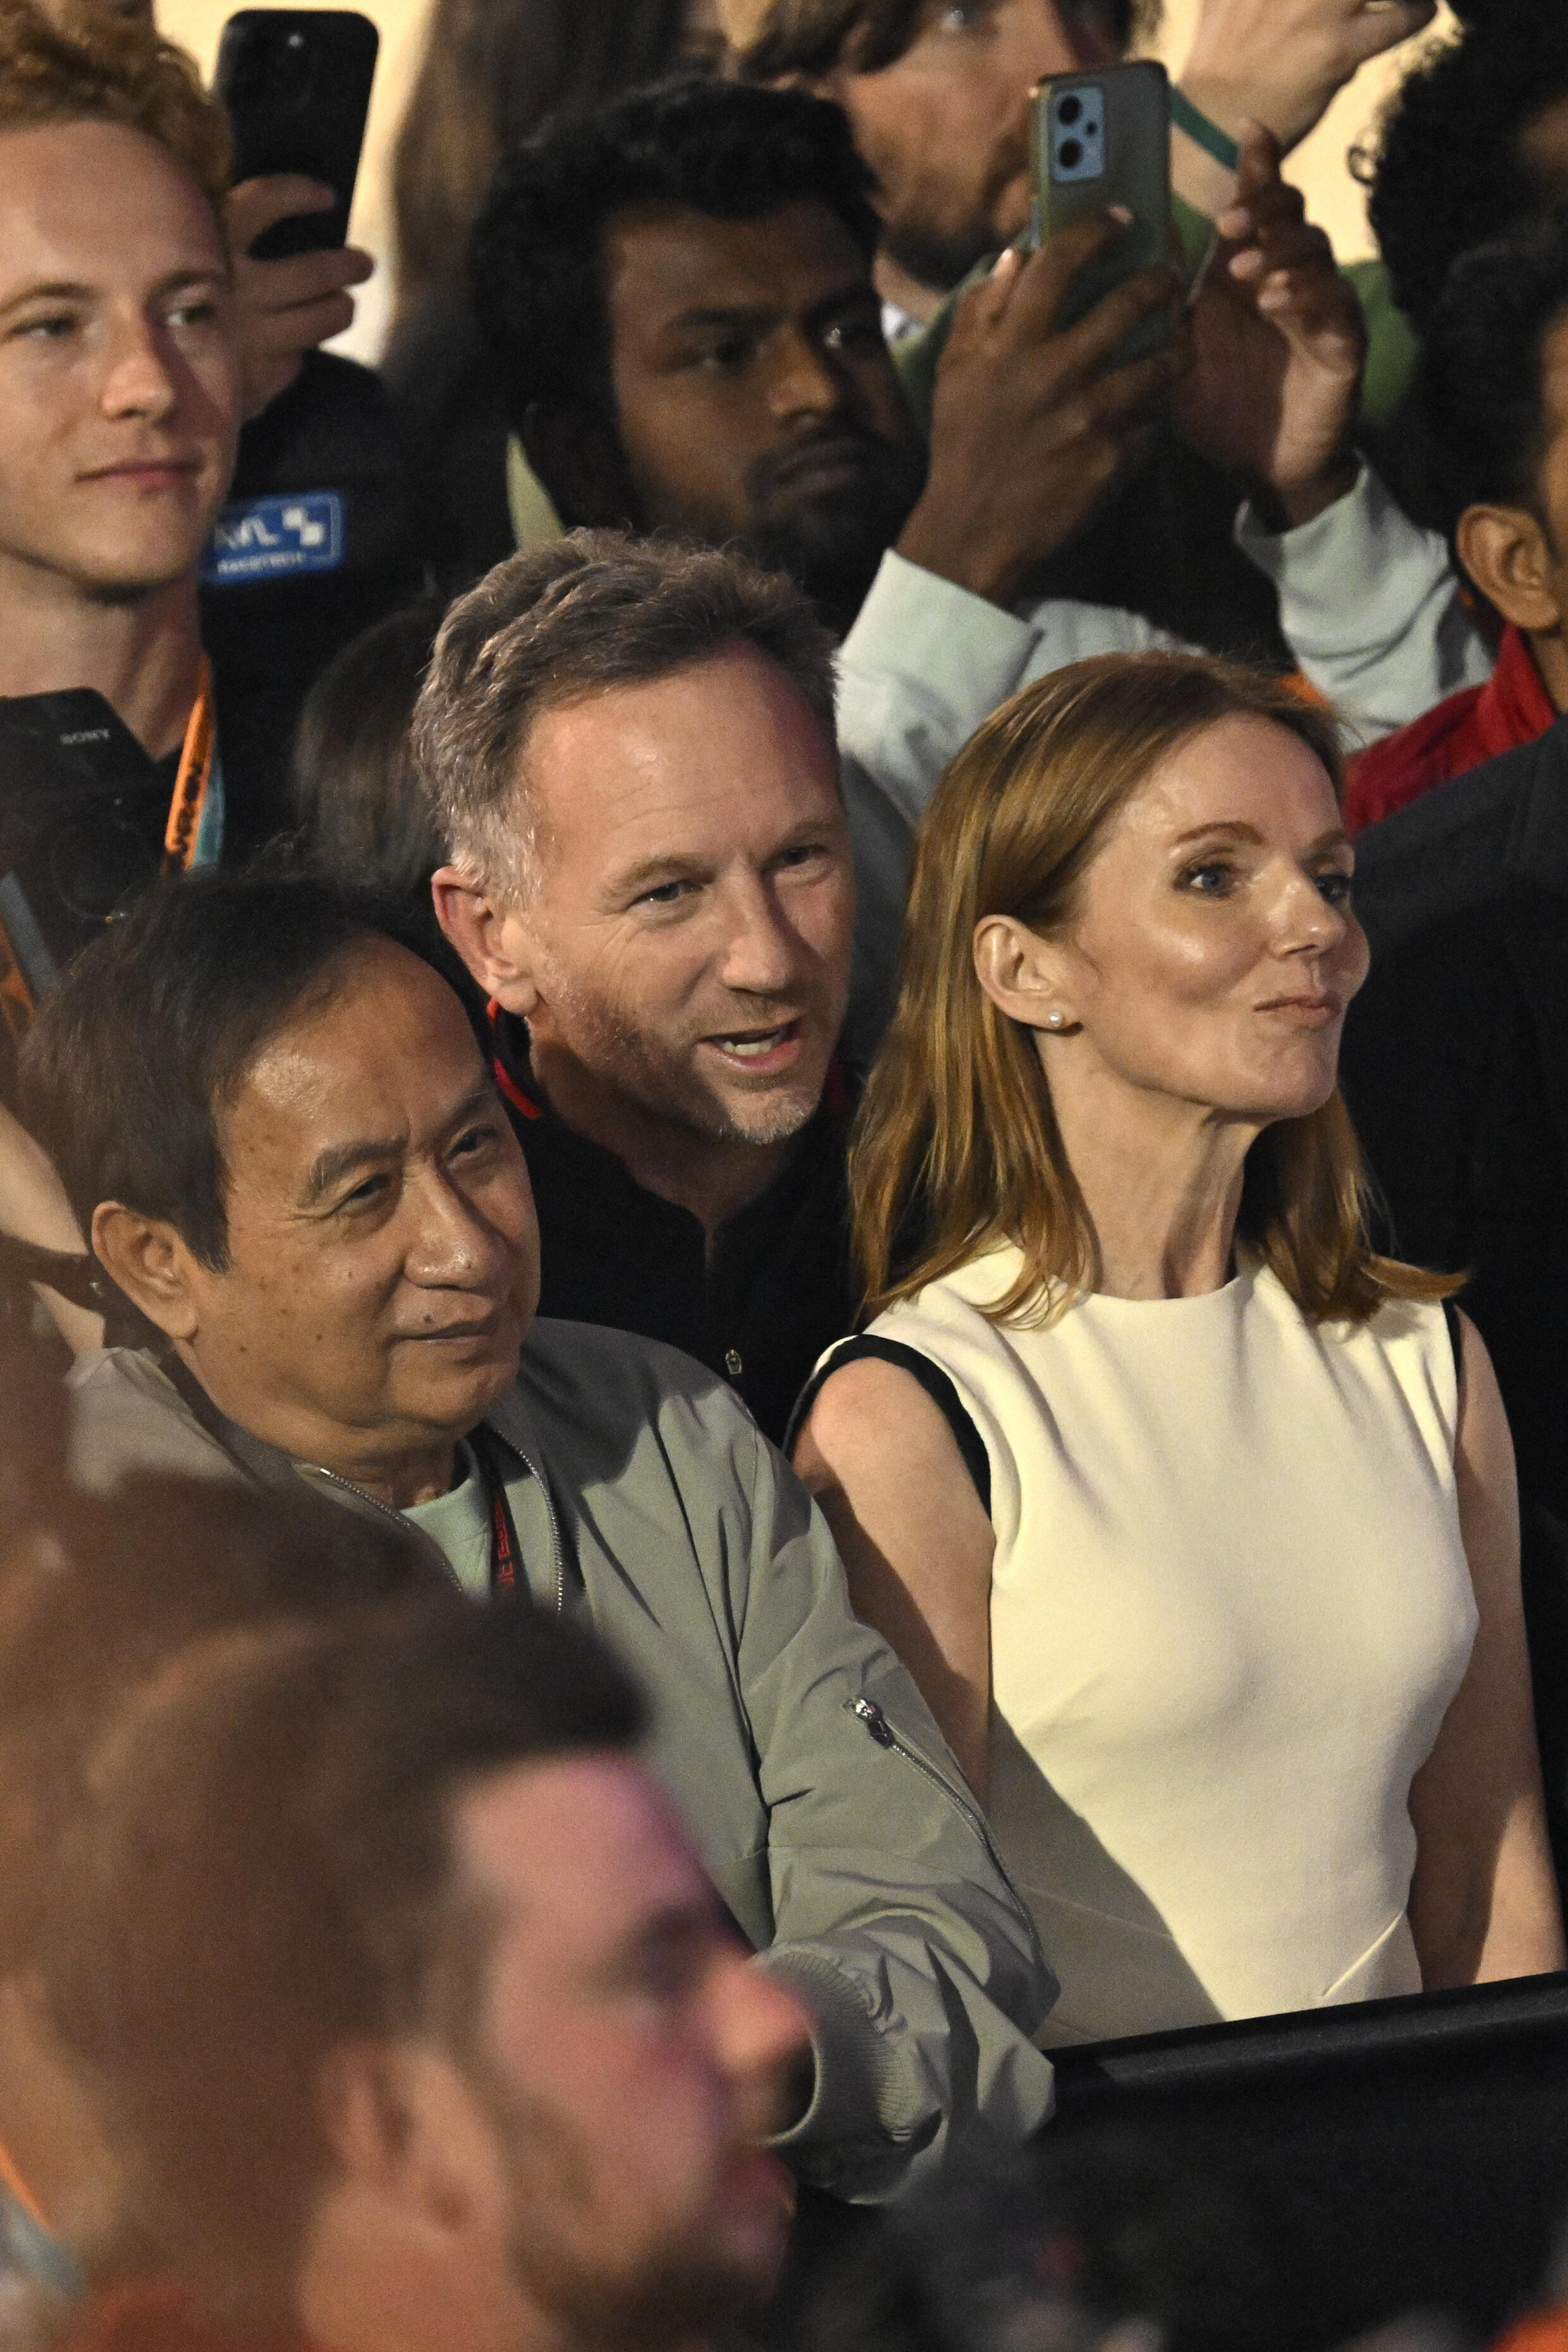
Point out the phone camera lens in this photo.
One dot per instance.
(296, 41)
(1072, 155)
(1069, 110)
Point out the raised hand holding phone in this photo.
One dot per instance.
(286, 307)
(1101, 143)
(295, 84)
(1031, 422)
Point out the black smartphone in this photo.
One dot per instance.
(296, 85)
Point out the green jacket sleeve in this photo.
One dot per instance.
(894, 1919)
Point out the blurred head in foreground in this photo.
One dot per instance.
(95, 1596)
(405, 2006)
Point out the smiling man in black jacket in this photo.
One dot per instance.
(632, 748)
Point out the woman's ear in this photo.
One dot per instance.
(1508, 554)
(1022, 975)
(151, 1262)
(493, 940)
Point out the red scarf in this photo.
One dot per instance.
(1512, 710)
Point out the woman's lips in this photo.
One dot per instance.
(1307, 1011)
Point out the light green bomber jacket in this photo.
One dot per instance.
(816, 1787)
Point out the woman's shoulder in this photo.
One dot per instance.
(1397, 1322)
(941, 1338)
(1417, 1341)
(966, 1293)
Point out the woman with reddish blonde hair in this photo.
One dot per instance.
(1193, 1517)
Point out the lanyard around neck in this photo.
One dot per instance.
(505, 1553)
(191, 784)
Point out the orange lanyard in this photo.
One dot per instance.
(184, 828)
(12, 2179)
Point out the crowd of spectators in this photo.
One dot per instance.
(723, 1443)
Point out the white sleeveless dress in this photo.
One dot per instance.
(1231, 1608)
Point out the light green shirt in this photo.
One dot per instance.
(460, 1522)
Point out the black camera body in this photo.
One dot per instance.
(82, 814)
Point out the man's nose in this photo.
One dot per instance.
(804, 381)
(761, 953)
(139, 379)
(763, 2037)
(454, 1243)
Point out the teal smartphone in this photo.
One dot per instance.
(1100, 139)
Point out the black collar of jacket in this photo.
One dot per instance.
(1537, 852)
(1535, 914)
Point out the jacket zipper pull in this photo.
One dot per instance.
(875, 1721)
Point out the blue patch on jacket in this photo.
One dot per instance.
(270, 539)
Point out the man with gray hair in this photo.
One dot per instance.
(631, 746)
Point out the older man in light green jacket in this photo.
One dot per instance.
(277, 1126)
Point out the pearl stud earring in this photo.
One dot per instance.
(1054, 1020)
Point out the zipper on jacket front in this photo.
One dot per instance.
(885, 1736)
(532, 1468)
(320, 1470)
(387, 1510)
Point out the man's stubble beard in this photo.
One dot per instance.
(942, 259)
(833, 552)
(681, 2290)
(602, 1042)
(940, 263)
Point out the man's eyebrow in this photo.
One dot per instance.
(340, 1159)
(68, 290)
(674, 1922)
(650, 873)
(482, 1098)
(49, 291)
(858, 297)
(210, 274)
(728, 316)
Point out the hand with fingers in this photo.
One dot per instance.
(1031, 422)
(1280, 62)
(1279, 347)
(286, 307)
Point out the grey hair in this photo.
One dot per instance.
(564, 621)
